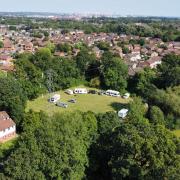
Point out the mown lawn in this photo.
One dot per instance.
(85, 102)
(177, 132)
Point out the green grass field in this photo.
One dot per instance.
(85, 102)
(177, 132)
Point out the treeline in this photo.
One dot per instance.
(88, 146)
(161, 88)
(42, 71)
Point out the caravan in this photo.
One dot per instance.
(55, 98)
(113, 93)
(123, 113)
(69, 91)
(80, 91)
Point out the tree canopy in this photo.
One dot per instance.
(53, 148)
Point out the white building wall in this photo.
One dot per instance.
(7, 131)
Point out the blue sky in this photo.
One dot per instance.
(123, 7)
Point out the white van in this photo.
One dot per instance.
(69, 91)
(113, 93)
(80, 91)
(55, 98)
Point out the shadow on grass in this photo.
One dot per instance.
(118, 106)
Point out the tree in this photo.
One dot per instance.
(42, 58)
(144, 151)
(29, 76)
(137, 109)
(1, 44)
(156, 116)
(103, 46)
(114, 74)
(12, 99)
(93, 68)
(95, 82)
(169, 102)
(65, 47)
(100, 151)
(51, 46)
(141, 42)
(53, 148)
(142, 81)
(125, 50)
(46, 34)
(65, 73)
(169, 71)
(84, 59)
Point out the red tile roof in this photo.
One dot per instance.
(5, 121)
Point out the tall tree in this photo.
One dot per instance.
(12, 98)
(156, 116)
(169, 71)
(114, 74)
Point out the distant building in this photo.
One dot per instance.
(154, 61)
(7, 127)
(8, 46)
(134, 57)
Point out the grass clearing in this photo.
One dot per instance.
(177, 132)
(85, 102)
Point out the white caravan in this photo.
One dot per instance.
(69, 91)
(123, 113)
(80, 91)
(113, 93)
(55, 98)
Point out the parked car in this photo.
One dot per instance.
(93, 92)
(62, 104)
(126, 95)
(72, 101)
(101, 93)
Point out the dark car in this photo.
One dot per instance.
(93, 92)
(72, 101)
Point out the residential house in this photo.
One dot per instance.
(8, 46)
(134, 57)
(7, 127)
(154, 54)
(153, 62)
(60, 54)
(176, 45)
(28, 46)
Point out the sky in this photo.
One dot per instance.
(122, 7)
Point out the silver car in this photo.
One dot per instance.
(61, 104)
